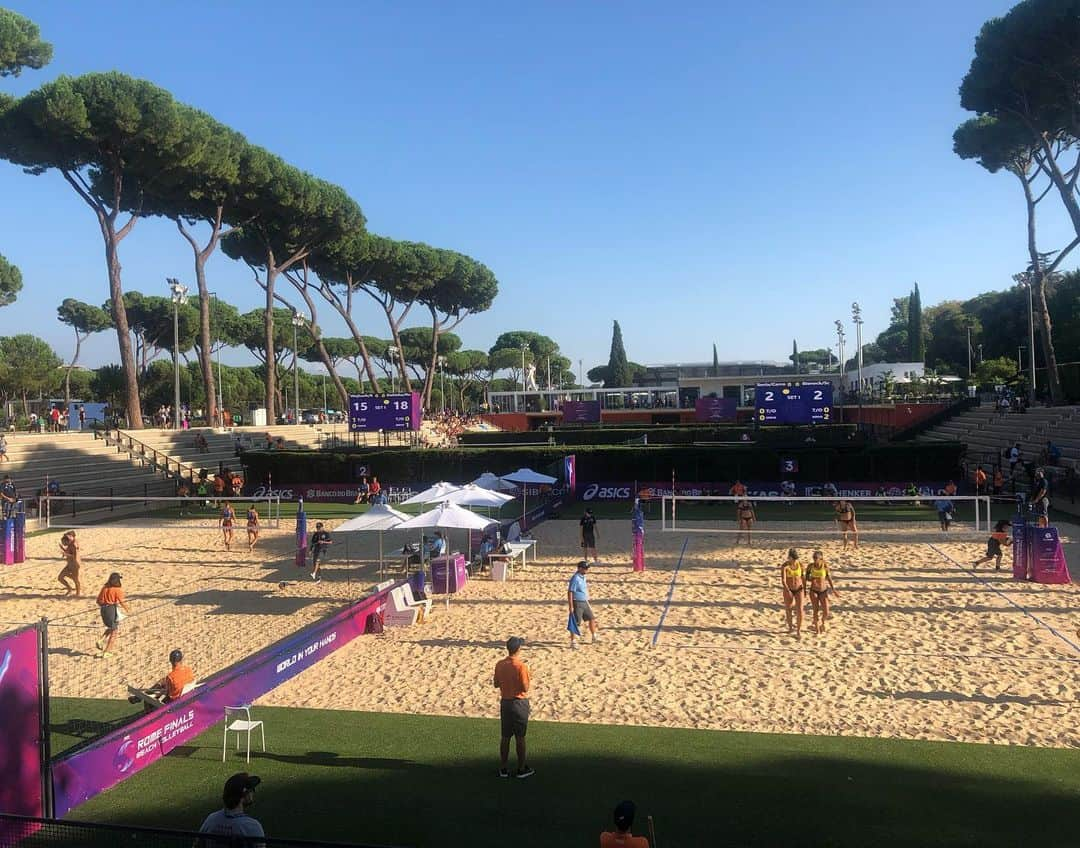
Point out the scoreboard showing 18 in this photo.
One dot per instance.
(793, 403)
(370, 413)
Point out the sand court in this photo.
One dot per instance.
(918, 647)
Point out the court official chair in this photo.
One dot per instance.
(241, 725)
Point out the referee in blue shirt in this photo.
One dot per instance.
(577, 596)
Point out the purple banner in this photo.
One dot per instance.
(20, 736)
(570, 473)
(581, 412)
(714, 409)
(624, 491)
(1019, 548)
(1047, 558)
(8, 525)
(88, 771)
(316, 492)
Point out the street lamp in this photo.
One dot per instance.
(392, 352)
(179, 298)
(1026, 279)
(442, 380)
(298, 321)
(856, 316)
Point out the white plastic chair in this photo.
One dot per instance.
(241, 725)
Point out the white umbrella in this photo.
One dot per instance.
(524, 476)
(471, 495)
(379, 517)
(434, 494)
(447, 516)
(487, 480)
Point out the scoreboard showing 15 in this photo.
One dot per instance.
(793, 403)
(369, 413)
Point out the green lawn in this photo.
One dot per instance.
(430, 781)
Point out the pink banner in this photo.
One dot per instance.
(20, 728)
(85, 772)
(1047, 558)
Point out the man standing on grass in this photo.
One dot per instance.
(588, 534)
(577, 595)
(512, 681)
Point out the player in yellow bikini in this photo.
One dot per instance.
(794, 583)
(820, 586)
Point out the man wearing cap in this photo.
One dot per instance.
(577, 595)
(233, 820)
(320, 541)
(621, 837)
(512, 681)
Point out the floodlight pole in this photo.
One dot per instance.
(856, 317)
(179, 298)
(297, 323)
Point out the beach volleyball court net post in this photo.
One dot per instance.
(900, 518)
(75, 511)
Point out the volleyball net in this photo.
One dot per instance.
(197, 512)
(902, 518)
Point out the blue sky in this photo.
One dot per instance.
(713, 172)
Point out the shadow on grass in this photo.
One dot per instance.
(409, 780)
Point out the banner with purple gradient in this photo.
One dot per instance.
(1047, 558)
(88, 771)
(20, 731)
(1019, 548)
(581, 412)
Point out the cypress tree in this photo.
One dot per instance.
(618, 366)
(795, 354)
(715, 362)
(916, 340)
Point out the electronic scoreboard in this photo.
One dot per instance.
(369, 413)
(793, 403)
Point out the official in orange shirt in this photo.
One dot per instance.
(621, 837)
(980, 481)
(173, 683)
(110, 599)
(512, 681)
(998, 539)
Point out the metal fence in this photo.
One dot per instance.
(23, 832)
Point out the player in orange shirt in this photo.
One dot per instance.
(110, 599)
(621, 837)
(512, 681)
(994, 544)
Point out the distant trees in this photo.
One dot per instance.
(916, 338)
(10, 282)
(31, 367)
(21, 45)
(618, 366)
(85, 319)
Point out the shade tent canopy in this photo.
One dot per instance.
(471, 495)
(378, 517)
(527, 475)
(487, 480)
(447, 516)
(434, 494)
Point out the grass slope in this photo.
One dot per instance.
(430, 781)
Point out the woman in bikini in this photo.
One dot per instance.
(845, 517)
(69, 545)
(252, 527)
(793, 583)
(820, 585)
(744, 512)
(228, 517)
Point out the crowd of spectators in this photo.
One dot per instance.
(441, 429)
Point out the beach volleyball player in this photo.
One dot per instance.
(845, 518)
(744, 512)
(793, 582)
(252, 527)
(228, 518)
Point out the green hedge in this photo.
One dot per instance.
(403, 466)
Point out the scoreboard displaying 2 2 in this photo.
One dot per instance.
(370, 413)
(793, 403)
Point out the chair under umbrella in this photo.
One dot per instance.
(524, 476)
(379, 517)
(487, 480)
(446, 516)
(433, 494)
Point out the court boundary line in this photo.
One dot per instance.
(765, 649)
(1053, 631)
(671, 592)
